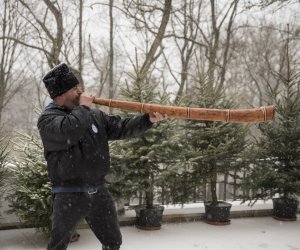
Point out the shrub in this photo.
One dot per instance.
(30, 195)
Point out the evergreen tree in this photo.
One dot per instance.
(144, 161)
(30, 196)
(211, 148)
(276, 169)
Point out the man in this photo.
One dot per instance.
(75, 139)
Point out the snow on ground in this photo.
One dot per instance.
(242, 234)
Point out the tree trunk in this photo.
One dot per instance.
(213, 188)
(111, 53)
(57, 41)
(80, 56)
(149, 199)
(156, 43)
(227, 44)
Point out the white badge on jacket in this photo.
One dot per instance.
(94, 128)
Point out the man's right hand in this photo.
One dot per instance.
(86, 99)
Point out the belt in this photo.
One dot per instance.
(89, 190)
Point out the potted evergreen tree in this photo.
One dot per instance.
(144, 160)
(276, 171)
(212, 148)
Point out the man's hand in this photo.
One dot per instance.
(86, 99)
(156, 116)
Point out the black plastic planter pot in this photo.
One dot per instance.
(285, 209)
(149, 218)
(217, 214)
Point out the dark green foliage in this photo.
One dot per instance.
(146, 161)
(30, 195)
(183, 186)
(211, 148)
(277, 165)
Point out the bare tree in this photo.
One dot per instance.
(50, 43)
(11, 80)
(101, 64)
(139, 12)
(261, 57)
(266, 3)
(185, 39)
(214, 42)
(203, 32)
(51, 40)
(102, 61)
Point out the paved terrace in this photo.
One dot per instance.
(188, 232)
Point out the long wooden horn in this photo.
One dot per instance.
(260, 114)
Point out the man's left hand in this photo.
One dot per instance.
(156, 116)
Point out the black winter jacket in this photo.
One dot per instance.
(76, 142)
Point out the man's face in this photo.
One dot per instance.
(71, 97)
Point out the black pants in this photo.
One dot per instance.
(98, 210)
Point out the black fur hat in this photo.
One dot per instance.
(59, 80)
